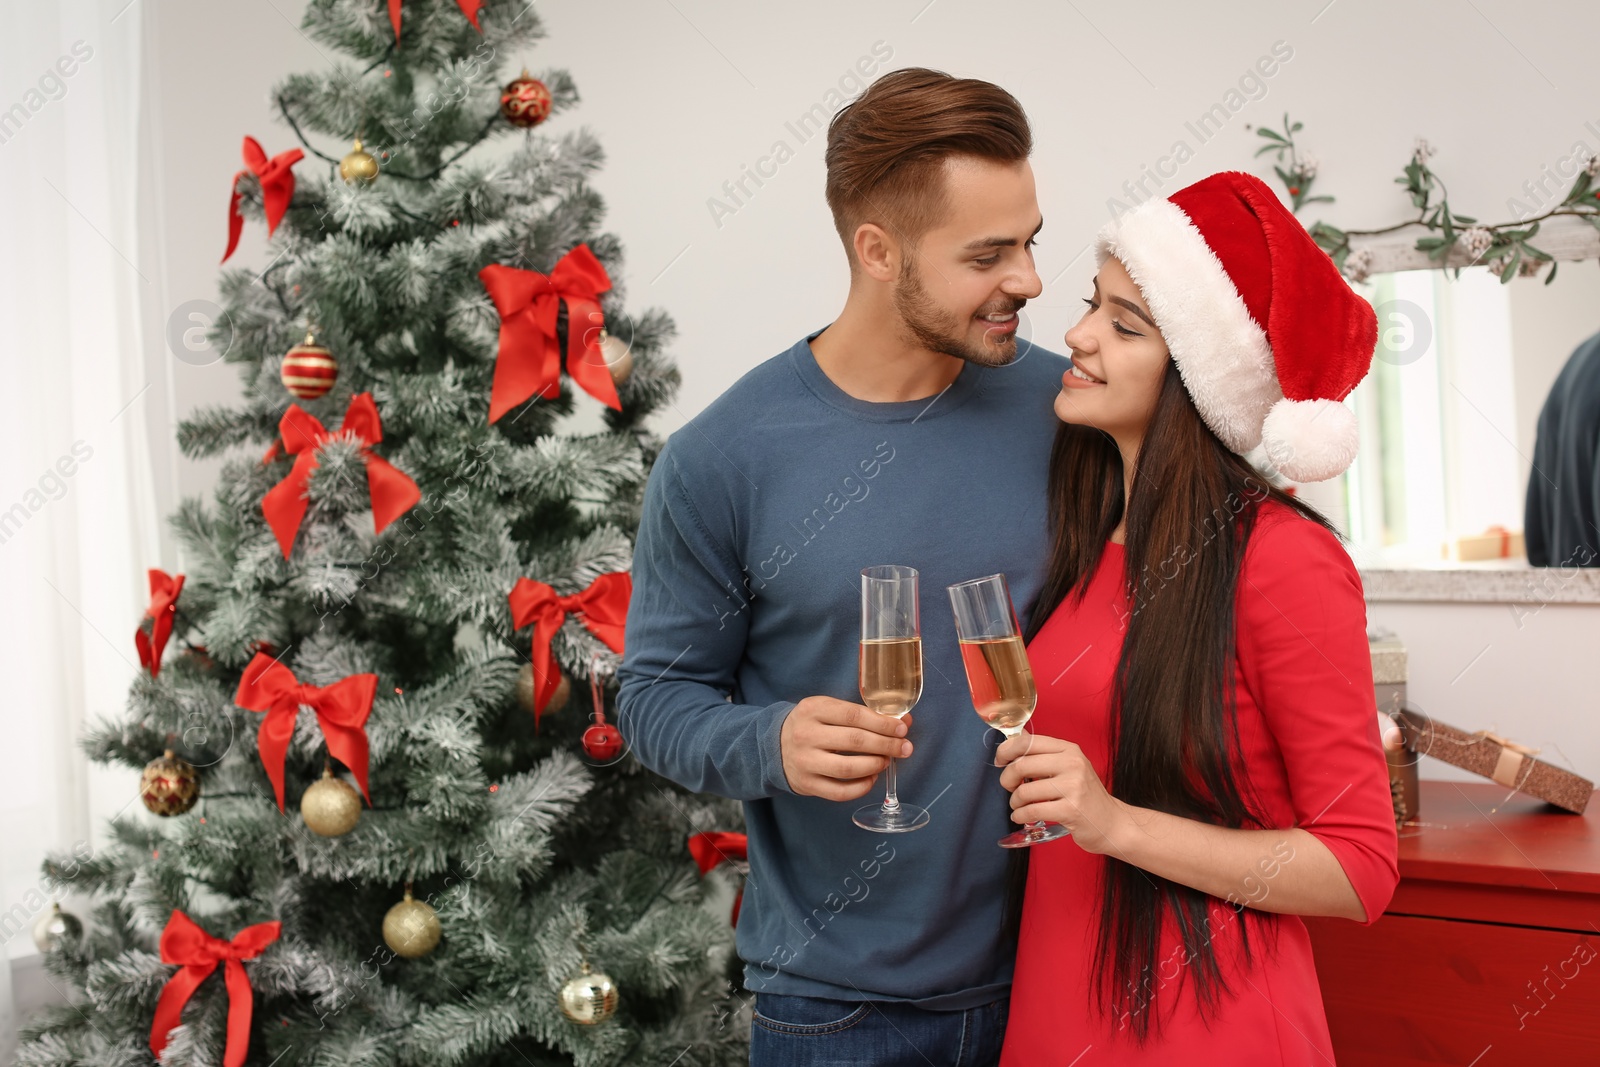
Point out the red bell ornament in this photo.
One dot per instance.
(602, 742)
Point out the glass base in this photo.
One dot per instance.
(907, 818)
(1036, 834)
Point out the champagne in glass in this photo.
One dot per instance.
(891, 674)
(1001, 681)
(998, 673)
(891, 677)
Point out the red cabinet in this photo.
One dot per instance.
(1489, 953)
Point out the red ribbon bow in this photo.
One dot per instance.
(603, 607)
(1505, 539)
(183, 942)
(529, 357)
(393, 492)
(277, 188)
(164, 590)
(342, 709)
(469, 8)
(715, 847)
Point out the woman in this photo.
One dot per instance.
(1205, 725)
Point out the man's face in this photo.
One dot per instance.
(964, 281)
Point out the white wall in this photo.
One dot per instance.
(684, 95)
(208, 70)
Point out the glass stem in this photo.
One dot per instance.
(1032, 827)
(891, 796)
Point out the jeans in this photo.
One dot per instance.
(813, 1032)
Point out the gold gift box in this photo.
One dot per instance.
(1494, 543)
(1496, 758)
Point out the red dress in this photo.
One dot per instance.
(1310, 751)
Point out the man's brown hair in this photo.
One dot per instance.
(887, 147)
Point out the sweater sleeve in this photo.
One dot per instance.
(1303, 653)
(687, 624)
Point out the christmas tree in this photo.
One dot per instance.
(377, 721)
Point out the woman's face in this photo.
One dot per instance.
(1117, 346)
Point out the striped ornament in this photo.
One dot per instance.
(309, 370)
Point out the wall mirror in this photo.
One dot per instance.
(1450, 409)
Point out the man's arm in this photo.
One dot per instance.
(687, 626)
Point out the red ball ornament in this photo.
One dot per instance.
(525, 102)
(602, 742)
(309, 370)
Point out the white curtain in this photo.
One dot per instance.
(78, 523)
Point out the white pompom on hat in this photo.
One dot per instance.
(1267, 335)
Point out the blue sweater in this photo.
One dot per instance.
(758, 518)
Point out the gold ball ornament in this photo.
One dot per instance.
(358, 167)
(309, 369)
(331, 807)
(618, 355)
(170, 785)
(589, 998)
(411, 928)
(526, 690)
(525, 102)
(54, 927)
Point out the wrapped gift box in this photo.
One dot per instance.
(1389, 687)
(1388, 671)
(1494, 757)
(1494, 543)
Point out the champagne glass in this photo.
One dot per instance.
(891, 677)
(998, 673)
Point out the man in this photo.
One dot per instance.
(916, 430)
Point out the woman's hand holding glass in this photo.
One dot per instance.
(1052, 781)
(998, 674)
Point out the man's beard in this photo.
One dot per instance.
(945, 332)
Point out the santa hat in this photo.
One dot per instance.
(1266, 334)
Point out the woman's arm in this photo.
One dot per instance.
(1286, 871)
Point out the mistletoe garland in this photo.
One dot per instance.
(1504, 248)
(1299, 170)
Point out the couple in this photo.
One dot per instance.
(1205, 725)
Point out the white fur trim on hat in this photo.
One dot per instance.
(1310, 440)
(1221, 354)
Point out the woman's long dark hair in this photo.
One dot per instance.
(1173, 716)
